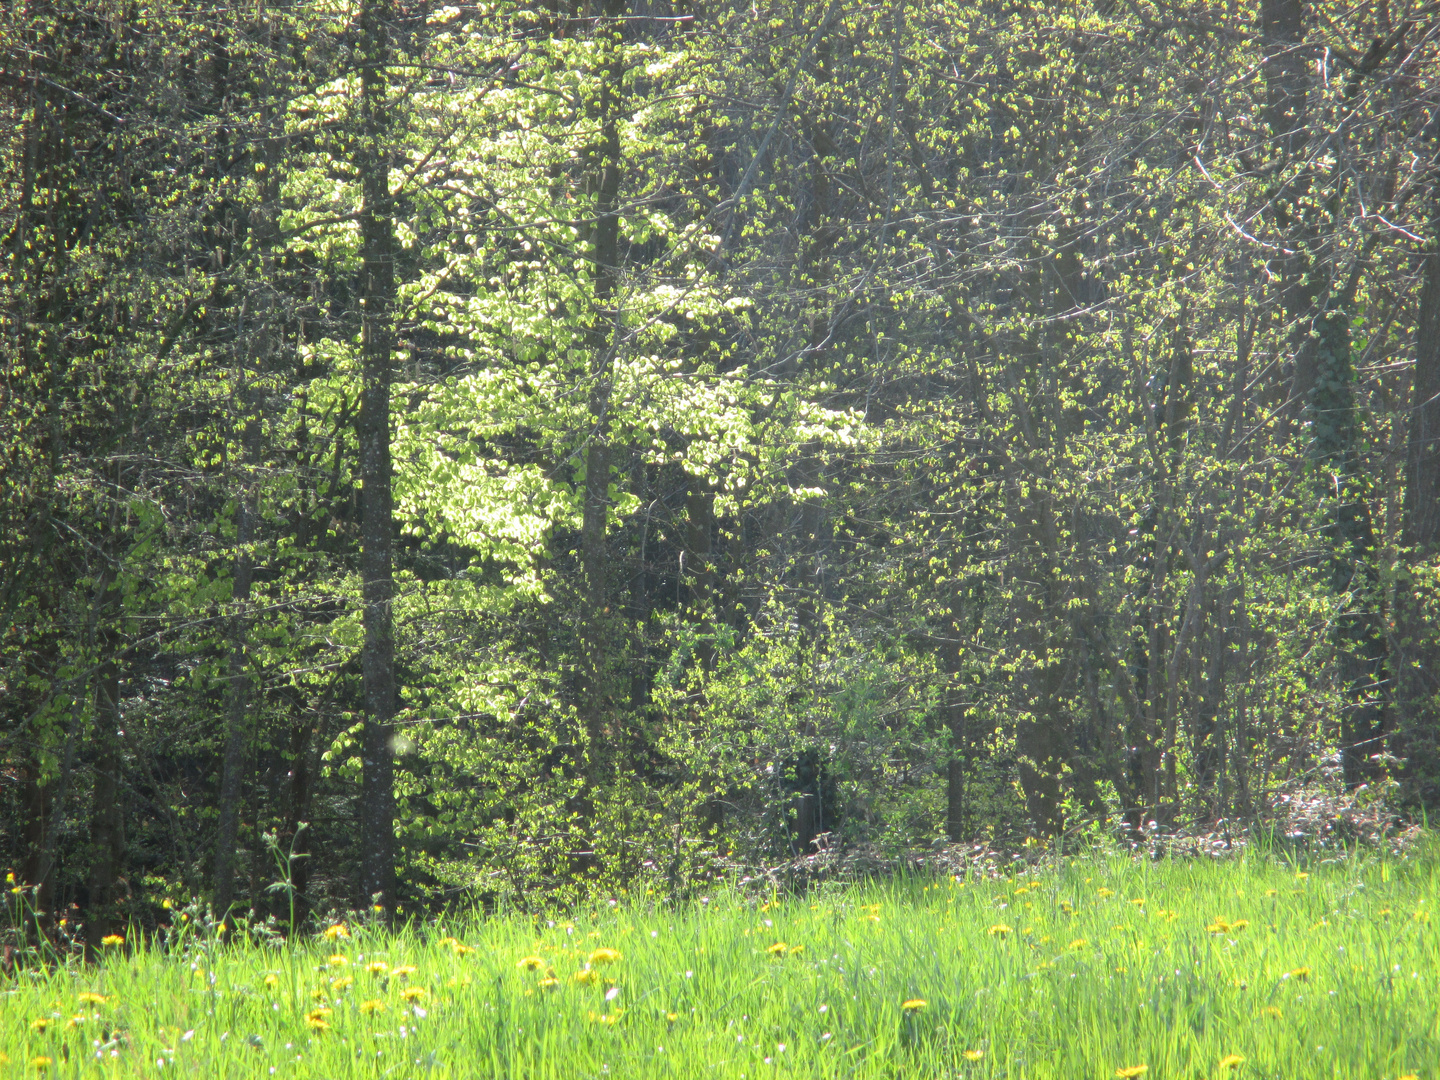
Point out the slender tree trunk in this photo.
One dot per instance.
(107, 822)
(1417, 659)
(605, 169)
(956, 827)
(238, 692)
(1282, 35)
(377, 798)
(700, 560)
(59, 804)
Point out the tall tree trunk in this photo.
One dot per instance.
(1417, 659)
(1349, 532)
(604, 177)
(700, 561)
(377, 797)
(1282, 40)
(1282, 34)
(238, 692)
(107, 822)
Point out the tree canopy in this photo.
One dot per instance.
(481, 452)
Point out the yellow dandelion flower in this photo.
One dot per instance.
(1131, 1071)
(1301, 875)
(1409, 1076)
(414, 993)
(448, 940)
(374, 1005)
(272, 980)
(1138, 903)
(1301, 973)
(1104, 893)
(1239, 924)
(530, 963)
(550, 982)
(973, 1055)
(1271, 1011)
(1219, 926)
(404, 971)
(604, 956)
(377, 967)
(113, 939)
(462, 949)
(38, 1026)
(796, 950)
(1384, 911)
(337, 932)
(89, 997)
(1232, 1061)
(1079, 943)
(40, 1061)
(76, 1020)
(1272, 892)
(778, 949)
(320, 1013)
(914, 1005)
(1168, 915)
(1067, 907)
(999, 930)
(585, 976)
(341, 983)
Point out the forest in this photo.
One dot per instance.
(478, 453)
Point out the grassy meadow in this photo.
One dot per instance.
(1097, 968)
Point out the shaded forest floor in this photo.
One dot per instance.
(1261, 966)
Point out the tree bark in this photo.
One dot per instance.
(377, 798)
(238, 690)
(107, 823)
(1417, 652)
(604, 177)
(1282, 34)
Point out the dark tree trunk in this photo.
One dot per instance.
(238, 694)
(605, 166)
(377, 797)
(955, 795)
(1417, 659)
(1349, 532)
(1282, 35)
(46, 858)
(107, 823)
